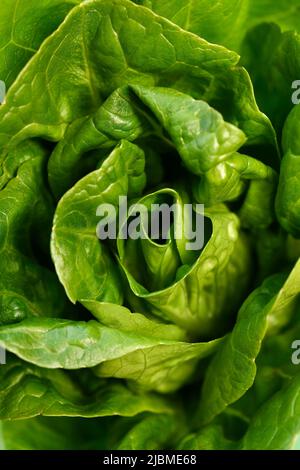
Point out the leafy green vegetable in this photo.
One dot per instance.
(122, 172)
(27, 287)
(149, 261)
(274, 427)
(24, 26)
(274, 70)
(28, 391)
(153, 432)
(190, 300)
(60, 344)
(287, 201)
(283, 409)
(233, 369)
(236, 16)
(54, 434)
(204, 17)
(179, 59)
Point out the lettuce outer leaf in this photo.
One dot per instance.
(203, 17)
(27, 287)
(23, 27)
(27, 391)
(275, 426)
(121, 36)
(273, 69)
(54, 344)
(154, 433)
(233, 369)
(55, 433)
(287, 199)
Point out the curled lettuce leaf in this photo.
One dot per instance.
(189, 299)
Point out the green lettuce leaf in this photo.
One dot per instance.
(287, 200)
(27, 391)
(23, 27)
(189, 300)
(273, 70)
(54, 343)
(27, 287)
(233, 369)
